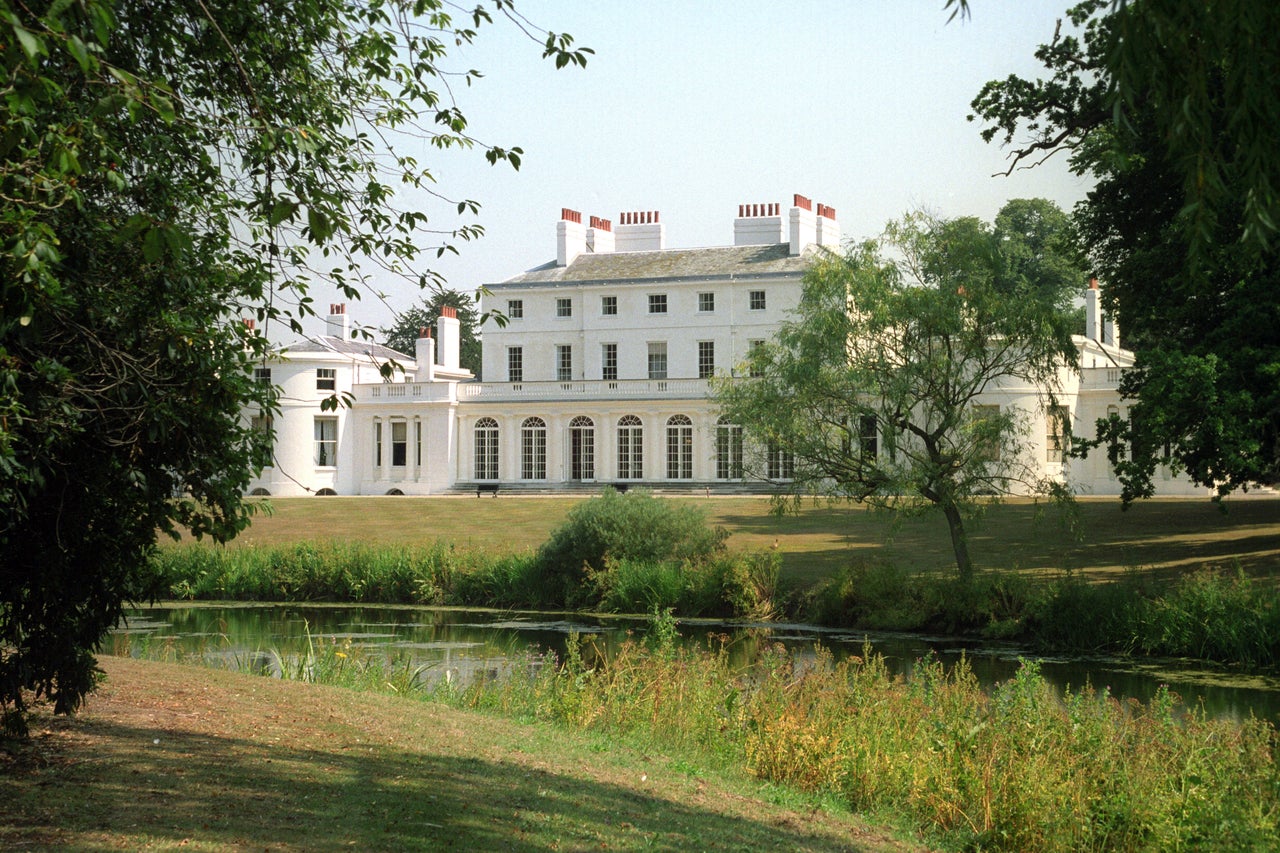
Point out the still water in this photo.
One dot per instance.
(458, 644)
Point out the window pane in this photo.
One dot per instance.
(326, 442)
(564, 362)
(399, 442)
(706, 359)
(609, 361)
(630, 448)
(658, 360)
(515, 364)
(486, 449)
(533, 449)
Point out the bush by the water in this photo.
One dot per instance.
(635, 528)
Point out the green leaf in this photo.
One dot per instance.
(321, 227)
(164, 107)
(80, 52)
(283, 209)
(32, 45)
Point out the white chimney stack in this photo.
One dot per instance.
(804, 227)
(826, 228)
(424, 355)
(600, 237)
(450, 333)
(571, 239)
(640, 231)
(758, 225)
(336, 324)
(1092, 311)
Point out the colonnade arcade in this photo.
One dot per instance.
(681, 445)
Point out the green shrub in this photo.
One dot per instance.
(633, 527)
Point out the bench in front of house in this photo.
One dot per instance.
(491, 488)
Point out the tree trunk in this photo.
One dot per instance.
(959, 542)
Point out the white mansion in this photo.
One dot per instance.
(601, 374)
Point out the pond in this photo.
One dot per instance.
(458, 643)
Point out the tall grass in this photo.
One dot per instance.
(1222, 616)
(1219, 616)
(726, 585)
(1018, 768)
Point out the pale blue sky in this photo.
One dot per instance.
(692, 108)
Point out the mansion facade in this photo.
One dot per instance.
(602, 374)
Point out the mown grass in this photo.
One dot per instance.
(1016, 768)
(1166, 537)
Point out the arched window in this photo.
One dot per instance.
(325, 493)
(582, 448)
(260, 493)
(533, 449)
(486, 447)
(630, 448)
(728, 450)
(679, 448)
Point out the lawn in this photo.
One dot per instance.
(1167, 537)
(168, 757)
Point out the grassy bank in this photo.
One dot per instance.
(1015, 769)
(166, 757)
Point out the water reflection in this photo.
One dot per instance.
(462, 644)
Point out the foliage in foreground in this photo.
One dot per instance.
(1172, 108)
(167, 168)
(1017, 769)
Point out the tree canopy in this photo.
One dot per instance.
(402, 336)
(1173, 108)
(168, 167)
(875, 390)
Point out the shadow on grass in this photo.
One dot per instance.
(1165, 537)
(240, 792)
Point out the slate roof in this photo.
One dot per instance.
(710, 263)
(357, 348)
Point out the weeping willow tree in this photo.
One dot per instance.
(879, 388)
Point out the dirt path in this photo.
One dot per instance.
(168, 757)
